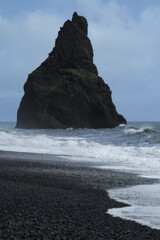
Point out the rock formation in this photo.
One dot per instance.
(66, 91)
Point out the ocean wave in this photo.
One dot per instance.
(130, 130)
(82, 149)
(122, 125)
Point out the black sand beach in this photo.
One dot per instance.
(46, 197)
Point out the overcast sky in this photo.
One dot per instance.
(125, 35)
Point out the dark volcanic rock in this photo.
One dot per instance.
(66, 91)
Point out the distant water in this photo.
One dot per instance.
(133, 148)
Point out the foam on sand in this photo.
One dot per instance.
(144, 201)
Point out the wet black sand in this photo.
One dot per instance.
(45, 197)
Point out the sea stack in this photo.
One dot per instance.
(65, 91)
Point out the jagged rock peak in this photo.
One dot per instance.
(73, 48)
(65, 91)
(81, 21)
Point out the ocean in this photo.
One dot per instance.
(133, 148)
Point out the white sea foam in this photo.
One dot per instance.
(124, 157)
(135, 130)
(144, 201)
(122, 125)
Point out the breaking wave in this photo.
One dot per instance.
(129, 130)
(126, 157)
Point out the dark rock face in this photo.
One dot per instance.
(66, 91)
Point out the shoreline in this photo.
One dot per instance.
(48, 197)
